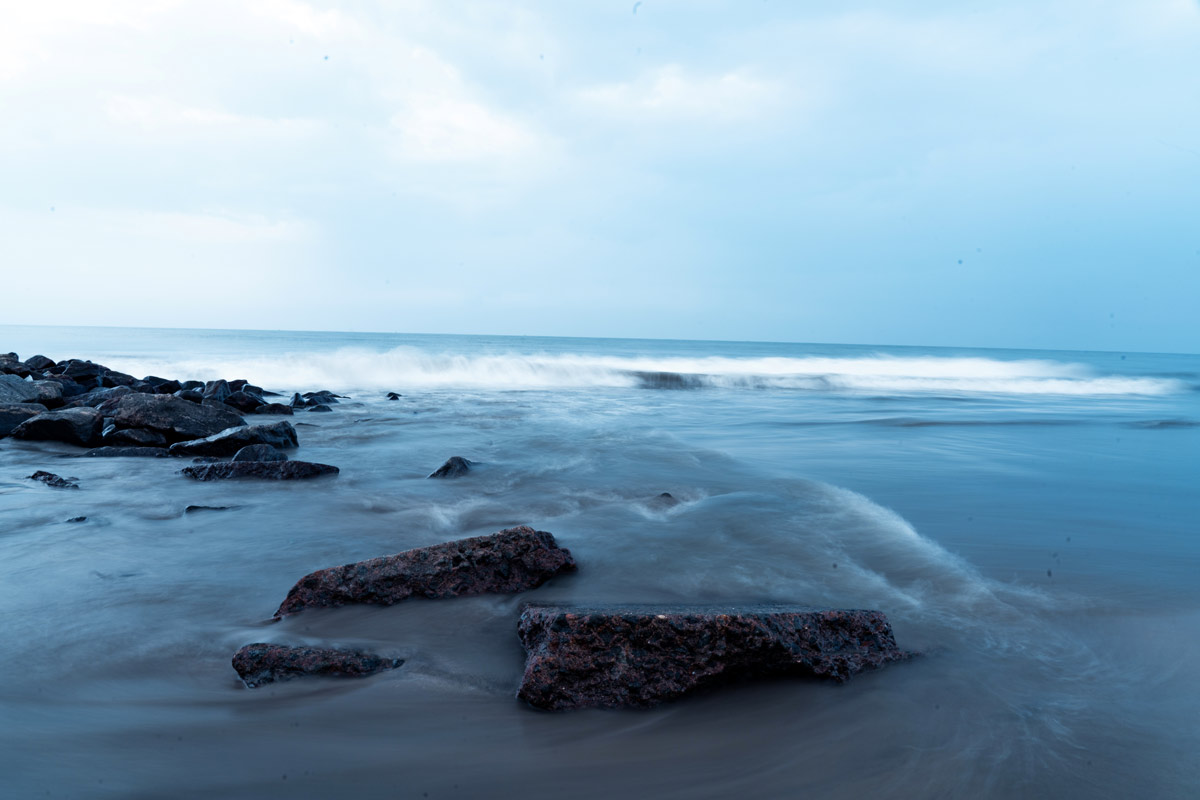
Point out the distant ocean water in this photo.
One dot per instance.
(1027, 519)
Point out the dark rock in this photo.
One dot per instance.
(69, 387)
(217, 390)
(49, 393)
(164, 386)
(664, 501)
(195, 509)
(79, 426)
(127, 452)
(260, 664)
(244, 401)
(274, 408)
(77, 519)
(393, 396)
(237, 385)
(259, 452)
(173, 417)
(191, 395)
(266, 470)
(17, 390)
(114, 378)
(297, 401)
(12, 365)
(144, 388)
(40, 363)
(257, 391)
(453, 468)
(614, 656)
(228, 442)
(13, 414)
(320, 407)
(207, 460)
(132, 437)
(189, 386)
(50, 479)
(85, 373)
(97, 397)
(323, 396)
(510, 561)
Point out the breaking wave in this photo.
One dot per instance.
(413, 368)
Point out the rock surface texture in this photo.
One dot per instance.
(175, 418)
(454, 467)
(640, 656)
(228, 442)
(512, 560)
(259, 664)
(78, 426)
(266, 470)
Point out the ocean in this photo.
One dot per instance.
(1028, 520)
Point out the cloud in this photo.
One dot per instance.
(671, 93)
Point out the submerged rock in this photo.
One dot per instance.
(227, 442)
(78, 426)
(394, 396)
(506, 562)
(260, 664)
(113, 451)
(266, 470)
(453, 468)
(320, 408)
(259, 452)
(640, 656)
(175, 418)
(132, 437)
(50, 479)
(274, 408)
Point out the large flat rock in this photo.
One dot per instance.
(228, 442)
(259, 664)
(509, 561)
(175, 418)
(263, 470)
(78, 426)
(640, 656)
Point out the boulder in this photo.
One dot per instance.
(79, 426)
(640, 656)
(320, 408)
(127, 452)
(175, 418)
(394, 396)
(49, 393)
(265, 470)
(114, 378)
(217, 390)
(132, 437)
(244, 401)
(17, 390)
(324, 397)
(274, 408)
(297, 401)
(50, 479)
(40, 363)
(191, 395)
(69, 387)
(506, 562)
(260, 664)
(97, 397)
(11, 364)
(228, 442)
(85, 373)
(259, 452)
(13, 414)
(189, 386)
(454, 467)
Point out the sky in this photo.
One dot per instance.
(995, 174)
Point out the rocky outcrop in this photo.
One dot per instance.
(454, 467)
(52, 480)
(260, 664)
(13, 414)
(228, 442)
(79, 426)
(264, 470)
(175, 418)
(259, 452)
(640, 656)
(509, 561)
(16, 390)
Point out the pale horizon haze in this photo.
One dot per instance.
(991, 174)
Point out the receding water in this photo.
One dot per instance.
(1028, 521)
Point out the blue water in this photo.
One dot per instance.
(1027, 519)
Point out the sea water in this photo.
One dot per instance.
(1027, 520)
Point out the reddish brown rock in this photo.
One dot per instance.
(265, 470)
(259, 664)
(512, 560)
(640, 656)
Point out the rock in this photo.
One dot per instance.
(260, 664)
(322, 397)
(266, 470)
(206, 460)
(40, 363)
(77, 519)
(259, 452)
(17, 390)
(50, 479)
(132, 437)
(195, 509)
(663, 501)
(13, 414)
(97, 397)
(257, 391)
(393, 396)
(127, 452)
(297, 401)
(191, 395)
(237, 385)
(49, 393)
(274, 408)
(228, 442)
(173, 417)
(320, 407)
(69, 387)
(85, 373)
(114, 378)
(163, 385)
(79, 426)
(12, 365)
(453, 468)
(217, 390)
(190, 386)
(244, 401)
(640, 656)
(506, 562)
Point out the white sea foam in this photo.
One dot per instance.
(412, 368)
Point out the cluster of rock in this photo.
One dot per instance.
(582, 657)
(89, 405)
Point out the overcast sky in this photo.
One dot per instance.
(1008, 173)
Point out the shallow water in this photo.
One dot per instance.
(1027, 520)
